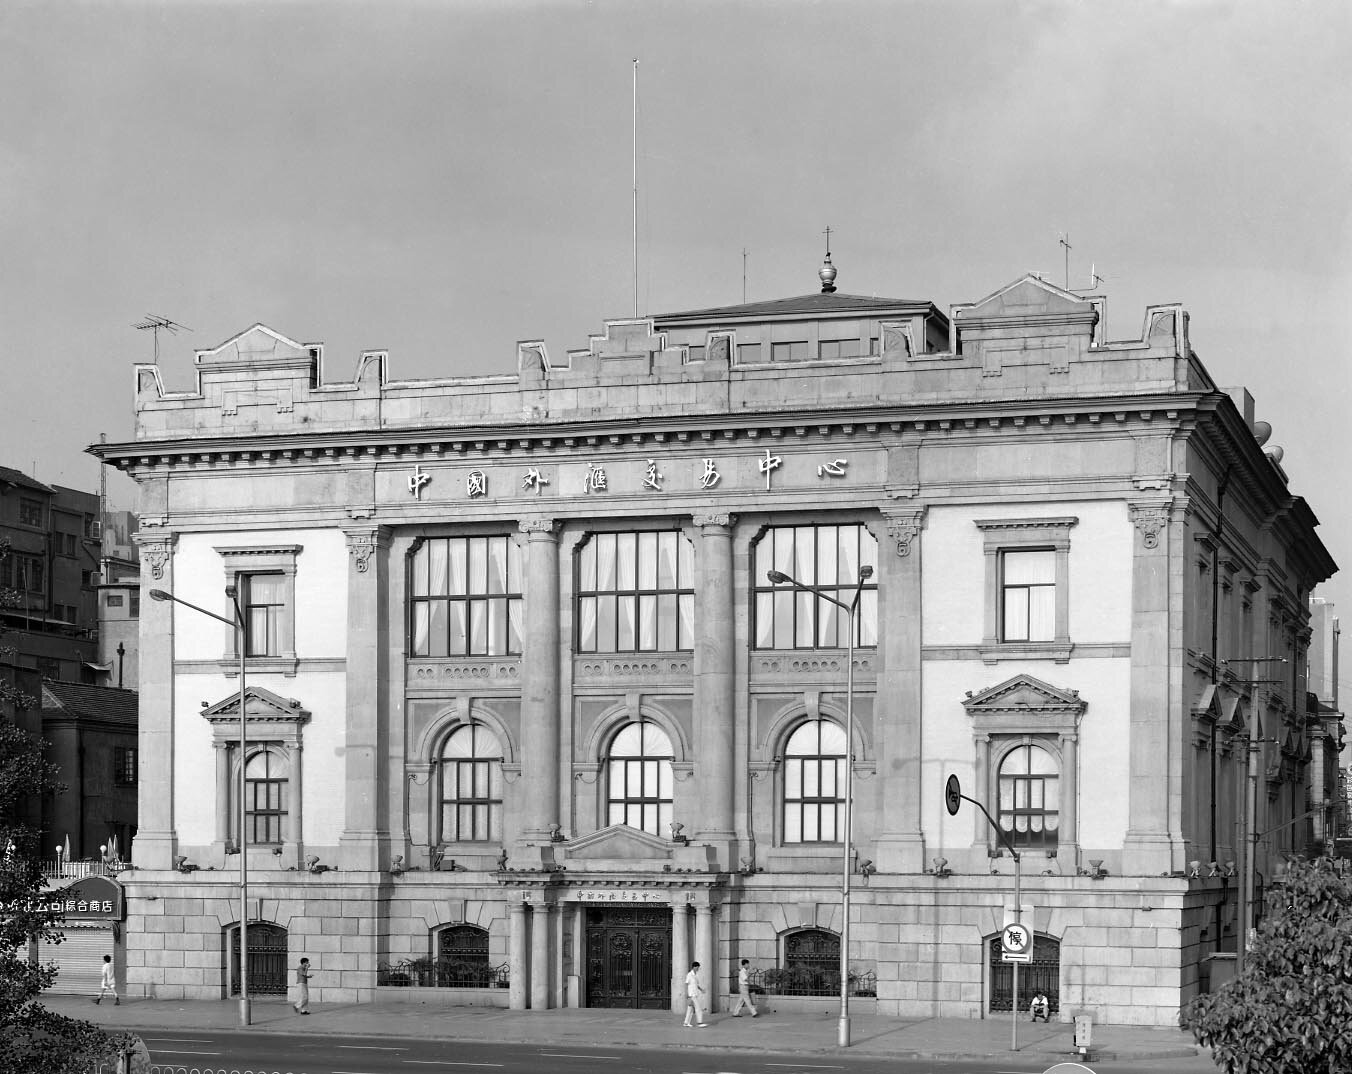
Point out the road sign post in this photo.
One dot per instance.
(953, 799)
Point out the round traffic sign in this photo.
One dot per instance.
(952, 795)
(1017, 938)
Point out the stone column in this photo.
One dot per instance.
(156, 841)
(1068, 842)
(1147, 848)
(680, 954)
(715, 712)
(519, 975)
(365, 824)
(982, 834)
(706, 951)
(222, 800)
(900, 846)
(541, 967)
(540, 715)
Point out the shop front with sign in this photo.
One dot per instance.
(91, 910)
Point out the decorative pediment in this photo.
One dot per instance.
(1025, 705)
(1028, 297)
(619, 842)
(268, 716)
(256, 345)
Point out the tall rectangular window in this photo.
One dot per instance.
(1028, 595)
(635, 593)
(466, 597)
(262, 600)
(828, 559)
(124, 766)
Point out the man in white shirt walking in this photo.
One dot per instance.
(694, 998)
(744, 990)
(108, 982)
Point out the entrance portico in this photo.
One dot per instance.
(609, 940)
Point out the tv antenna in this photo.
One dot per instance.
(1064, 240)
(154, 323)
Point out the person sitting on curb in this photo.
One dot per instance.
(1040, 1007)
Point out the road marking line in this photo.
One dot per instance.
(439, 1063)
(180, 1040)
(806, 1066)
(369, 1048)
(571, 1055)
(180, 1051)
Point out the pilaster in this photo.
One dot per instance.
(156, 840)
(365, 827)
(900, 846)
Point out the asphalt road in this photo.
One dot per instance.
(301, 1054)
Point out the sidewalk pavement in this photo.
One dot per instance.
(784, 1032)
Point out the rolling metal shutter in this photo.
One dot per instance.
(80, 958)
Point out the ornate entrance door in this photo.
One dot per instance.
(629, 957)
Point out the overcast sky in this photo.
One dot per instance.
(444, 179)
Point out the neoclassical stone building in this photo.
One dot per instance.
(522, 695)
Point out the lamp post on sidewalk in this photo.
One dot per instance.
(850, 610)
(242, 841)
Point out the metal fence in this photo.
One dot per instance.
(808, 981)
(442, 973)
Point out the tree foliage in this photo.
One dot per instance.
(1290, 1010)
(33, 1040)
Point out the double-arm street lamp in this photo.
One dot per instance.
(242, 839)
(850, 610)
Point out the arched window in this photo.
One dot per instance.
(814, 781)
(639, 778)
(462, 957)
(811, 963)
(471, 785)
(265, 796)
(1029, 812)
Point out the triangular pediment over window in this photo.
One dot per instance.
(1028, 297)
(619, 842)
(1026, 705)
(264, 711)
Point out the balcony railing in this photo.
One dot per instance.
(65, 869)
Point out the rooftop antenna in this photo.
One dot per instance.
(154, 324)
(1064, 240)
(745, 251)
(635, 117)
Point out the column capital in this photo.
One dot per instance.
(536, 528)
(362, 542)
(904, 526)
(721, 519)
(156, 548)
(1150, 517)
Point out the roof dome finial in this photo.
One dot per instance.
(827, 273)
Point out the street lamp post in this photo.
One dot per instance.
(850, 610)
(242, 841)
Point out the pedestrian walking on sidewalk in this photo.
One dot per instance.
(302, 1003)
(744, 990)
(108, 982)
(694, 998)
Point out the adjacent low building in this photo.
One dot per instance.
(527, 717)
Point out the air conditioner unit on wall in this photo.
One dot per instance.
(96, 531)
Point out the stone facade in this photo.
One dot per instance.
(1052, 519)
